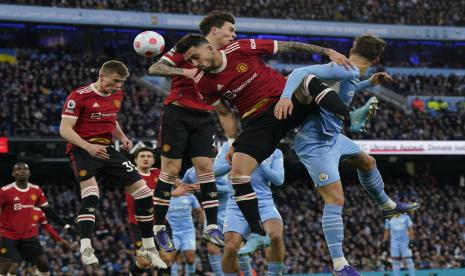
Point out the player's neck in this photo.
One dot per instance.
(143, 170)
(98, 87)
(213, 42)
(361, 63)
(22, 184)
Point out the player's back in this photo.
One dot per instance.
(243, 79)
(398, 227)
(183, 89)
(180, 212)
(16, 217)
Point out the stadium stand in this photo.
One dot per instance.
(429, 12)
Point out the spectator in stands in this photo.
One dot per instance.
(433, 106)
(418, 104)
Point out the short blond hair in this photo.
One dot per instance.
(114, 66)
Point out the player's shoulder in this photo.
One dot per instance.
(173, 57)
(83, 90)
(35, 187)
(8, 187)
(348, 73)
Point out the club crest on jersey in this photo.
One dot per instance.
(35, 217)
(33, 197)
(82, 173)
(3, 250)
(117, 103)
(166, 147)
(323, 176)
(242, 67)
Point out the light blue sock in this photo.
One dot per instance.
(396, 268)
(245, 266)
(190, 269)
(215, 263)
(411, 267)
(275, 268)
(373, 183)
(333, 228)
(174, 269)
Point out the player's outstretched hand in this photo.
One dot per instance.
(98, 151)
(229, 155)
(283, 108)
(377, 78)
(126, 144)
(66, 244)
(340, 59)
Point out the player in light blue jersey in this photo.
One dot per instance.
(320, 144)
(180, 219)
(236, 228)
(400, 230)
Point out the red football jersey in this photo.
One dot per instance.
(95, 113)
(17, 205)
(151, 180)
(182, 88)
(243, 79)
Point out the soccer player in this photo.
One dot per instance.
(89, 124)
(18, 237)
(320, 144)
(187, 127)
(400, 230)
(238, 74)
(179, 216)
(144, 160)
(236, 228)
(39, 219)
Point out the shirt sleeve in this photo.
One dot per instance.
(330, 71)
(172, 57)
(42, 200)
(259, 47)
(2, 197)
(195, 202)
(72, 107)
(409, 222)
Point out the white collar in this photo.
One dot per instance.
(22, 190)
(223, 66)
(92, 86)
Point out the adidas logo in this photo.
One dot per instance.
(16, 198)
(95, 105)
(219, 86)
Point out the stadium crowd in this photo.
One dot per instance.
(427, 12)
(302, 219)
(451, 85)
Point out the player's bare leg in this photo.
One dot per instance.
(144, 215)
(90, 197)
(209, 197)
(42, 265)
(170, 169)
(232, 244)
(276, 251)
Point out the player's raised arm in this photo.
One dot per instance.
(164, 68)
(287, 46)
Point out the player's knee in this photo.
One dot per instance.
(171, 166)
(213, 249)
(370, 163)
(203, 165)
(231, 248)
(276, 237)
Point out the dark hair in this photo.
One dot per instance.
(114, 66)
(142, 149)
(369, 46)
(19, 164)
(215, 19)
(189, 40)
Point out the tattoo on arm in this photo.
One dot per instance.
(164, 68)
(286, 46)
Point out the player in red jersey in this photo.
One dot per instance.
(89, 124)
(187, 127)
(238, 73)
(39, 219)
(18, 239)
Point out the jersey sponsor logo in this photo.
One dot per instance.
(96, 104)
(166, 147)
(100, 115)
(242, 67)
(351, 93)
(117, 103)
(17, 206)
(323, 176)
(82, 173)
(219, 87)
(232, 94)
(253, 44)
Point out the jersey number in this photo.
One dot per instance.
(129, 166)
